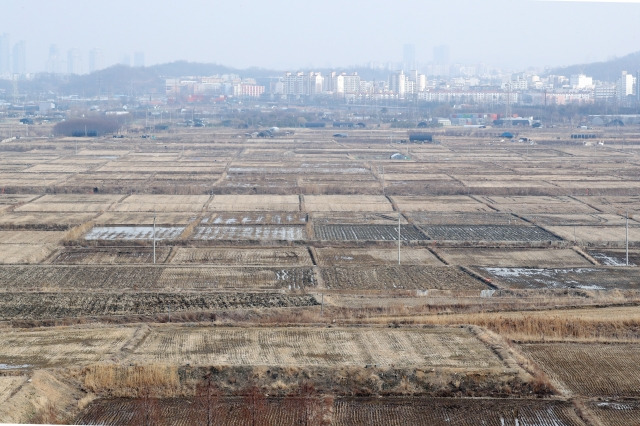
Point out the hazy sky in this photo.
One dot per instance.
(284, 34)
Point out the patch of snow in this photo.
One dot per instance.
(487, 293)
(610, 260)
(13, 367)
(112, 233)
(615, 405)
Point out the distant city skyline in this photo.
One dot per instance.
(283, 34)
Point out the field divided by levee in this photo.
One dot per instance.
(308, 278)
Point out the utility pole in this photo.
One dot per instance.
(154, 238)
(627, 237)
(398, 238)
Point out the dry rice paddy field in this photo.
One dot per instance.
(279, 283)
(403, 411)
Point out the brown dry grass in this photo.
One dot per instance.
(123, 380)
(76, 233)
(616, 324)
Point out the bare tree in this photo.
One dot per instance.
(255, 407)
(207, 401)
(311, 408)
(148, 411)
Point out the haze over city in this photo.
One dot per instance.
(282, 34)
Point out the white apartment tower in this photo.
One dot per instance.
(581, 81)
(398, 84)
(625, 85)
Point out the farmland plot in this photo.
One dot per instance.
(115, 233)
(487, 233)
(187, 412)
(21, 278)
(110, 256)
(250, 184)
(154, 167)
(9, 384)
(375, 256)
(59, 168)
(616, 257)
(470, 218)
(70, 203)
(102, 178)
(291, 256)
(263, 233)
(503, 182)
(513, 257)
(111, 154)
(434, 347)
(291, 278)
(609, 185)
(256, 218)
(13, 199)
(621, 412)
(357, 218)
(592, 278)
(411, 277)
(449, 204)
(576, 219)
(367, 233)
(593, 369)
(55, 347)
(615, 204)
(163, 203)
(25, 253)
(538, 204)
(344, 411)
(400, 176)
(43, 221)
(39, 306)
(78, 198)
(30, 180)
(146, 218)
(340, 203)
(31, 237)
(242, 203)
(414, 188)
(139, 277)
(454, 411)
(597, 235)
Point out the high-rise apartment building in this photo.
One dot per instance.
(19, 56)
(441, 55)
(5, 54)
(74, 61)
(398, 83)
(580, 81)
(409, 57)
(138, 59)
(625, 87)
(96, 60)
(54, 61)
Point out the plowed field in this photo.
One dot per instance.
(367, 232)
(347, 412)
(593, 369)
(399, 277)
